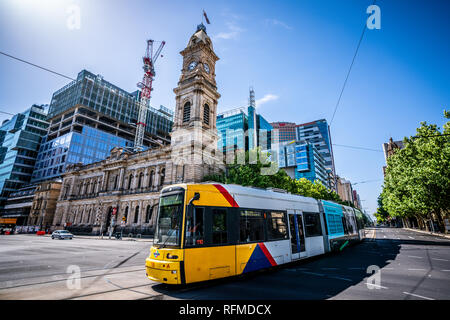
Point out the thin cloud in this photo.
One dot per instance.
(232, 33)
(267, 98)
(276, 22)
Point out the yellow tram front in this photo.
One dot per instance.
(184, 251)
(165, 261)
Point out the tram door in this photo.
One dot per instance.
(297, 232)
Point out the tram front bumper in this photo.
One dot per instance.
(163, 271)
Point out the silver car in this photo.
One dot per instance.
(62, 234)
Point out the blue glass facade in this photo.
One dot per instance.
(317, 133)
(231, 131)
(236, 130)
(93, 91)
(91, 145)
(304, 159)
(20, 139)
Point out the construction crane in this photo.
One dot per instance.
(146, 86)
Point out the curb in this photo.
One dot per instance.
(106, 238)
(428, 232)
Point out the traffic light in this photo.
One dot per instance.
(124, 218)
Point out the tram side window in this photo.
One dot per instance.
(312, 224)
(344, 224)
(219, 226)
(251, 226)
(276, 226)
(194, 227)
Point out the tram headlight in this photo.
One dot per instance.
(171, 256)
(174, 271)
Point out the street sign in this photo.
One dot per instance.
(114, 211)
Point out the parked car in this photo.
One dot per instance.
(62, 234)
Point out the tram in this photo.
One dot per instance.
(209, 230)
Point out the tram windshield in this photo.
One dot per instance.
(168, 228)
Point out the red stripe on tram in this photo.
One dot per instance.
(267, 254)
(227, 196)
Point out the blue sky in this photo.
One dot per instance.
(294, 53)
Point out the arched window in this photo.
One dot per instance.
(130, 179)
(141, 178)
(148, 214)
(152, 178)
(116, 180)
(161, 180)
(88, 221)
(187, 112)
(206, 114)
(94, 188)
(136, 215)
(126, 214)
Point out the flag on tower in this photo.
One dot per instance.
(206, 17)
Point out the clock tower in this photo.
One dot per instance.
(194, 135)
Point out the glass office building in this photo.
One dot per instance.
(232, 127)
(20, 139)
(301, 159)
(93, 91)
(89, 117)
(239, 130)
(88, 146)
(318, 133)
(283, 131)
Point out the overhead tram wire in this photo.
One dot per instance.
(37, 66)
(355, 147)
(349, 70)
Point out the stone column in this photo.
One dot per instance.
(121, 178)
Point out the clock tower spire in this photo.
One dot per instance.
(194, 135)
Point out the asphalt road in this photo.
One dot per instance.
(407, 265)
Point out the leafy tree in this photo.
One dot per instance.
(249, 174)
(417, 181)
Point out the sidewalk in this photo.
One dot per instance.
(430, 233)
(106, 237)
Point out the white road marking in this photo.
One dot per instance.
(445, 270)
(439, 259)
(416, 257)
(417, 269)
(410, 237)
(416, 295)
(384, 236)
(387, 268)
(376, 285)
(313, 273)
(340, 278)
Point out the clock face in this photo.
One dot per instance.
(206, 67)
(192, 65)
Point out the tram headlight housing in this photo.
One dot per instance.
(171, 256)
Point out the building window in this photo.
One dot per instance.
(206, 114)
(152, 177)
(187, 112)
(148, 214)
(141, 177)
(130, 179)
(136, 215)
(163, 173)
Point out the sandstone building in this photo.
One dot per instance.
(123, 190)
